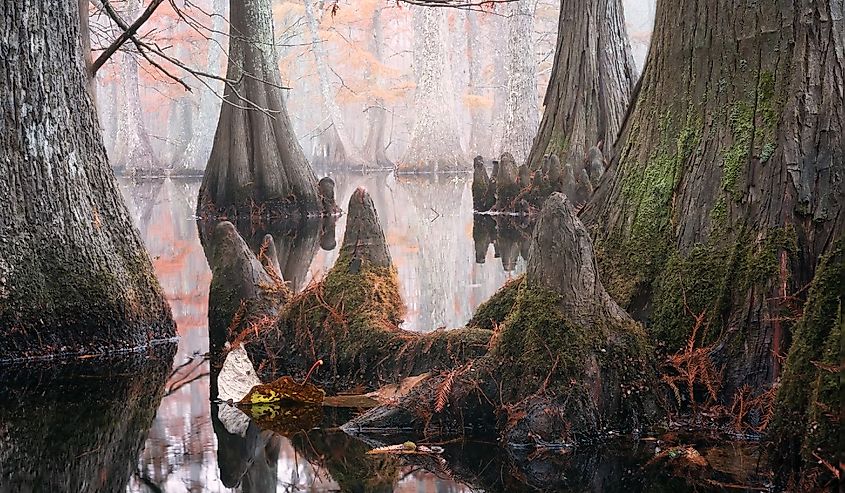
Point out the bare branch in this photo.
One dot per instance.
(128, 31)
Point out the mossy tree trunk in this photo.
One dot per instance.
(592, 80)
(726, 184)
(74, 274)
(256, 160)
(807, 426)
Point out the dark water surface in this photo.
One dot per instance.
(144, 422)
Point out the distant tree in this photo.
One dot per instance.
(521, 114)
(374, 147)
(435, 141)
(133, 152)
(339, 150)
(74, 275)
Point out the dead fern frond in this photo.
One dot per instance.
(444, 390)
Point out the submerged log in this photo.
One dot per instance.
(565, 364)
(350, 319)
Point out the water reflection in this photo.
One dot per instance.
(509, 235)
(78, 426)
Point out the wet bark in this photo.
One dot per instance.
(592, 80)
(256, 160)
(566, 363)
(435, 141)
(74, 274)
(726, 185)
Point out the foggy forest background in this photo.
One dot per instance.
(152, 124)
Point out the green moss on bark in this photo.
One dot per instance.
(807, 413)
(494, 311)
(633, 261)
(709, 279)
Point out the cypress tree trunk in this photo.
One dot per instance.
(207, 103)
(374, 147)
(74, 275)
(134, 153)
(480, 138)
(591, 83)
(344, 153)
(256, 160)
(435, 142)
(726, 186)
(521, 114)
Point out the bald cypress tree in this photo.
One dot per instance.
(74, 275)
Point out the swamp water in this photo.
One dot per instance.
(145, 423)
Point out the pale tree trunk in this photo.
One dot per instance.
(435, 141)
(133, 151)
(74, 275)
(256, 160)
(344, 153)
(495, 27)
(207, 101)
(374, 147)
(479, 135)
(592, 80)
(521, 113)
(726, 188)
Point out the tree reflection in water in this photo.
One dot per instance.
(78, 425)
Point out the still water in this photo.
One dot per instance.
(141, 424)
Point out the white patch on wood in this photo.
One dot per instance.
(237, 377)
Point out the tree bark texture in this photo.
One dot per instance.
(74, 274)
(522, 117)
(435, 140)
(726, 184)
(592, 80)
(256, 160)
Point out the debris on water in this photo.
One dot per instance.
(407, 448)
(286, 389)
